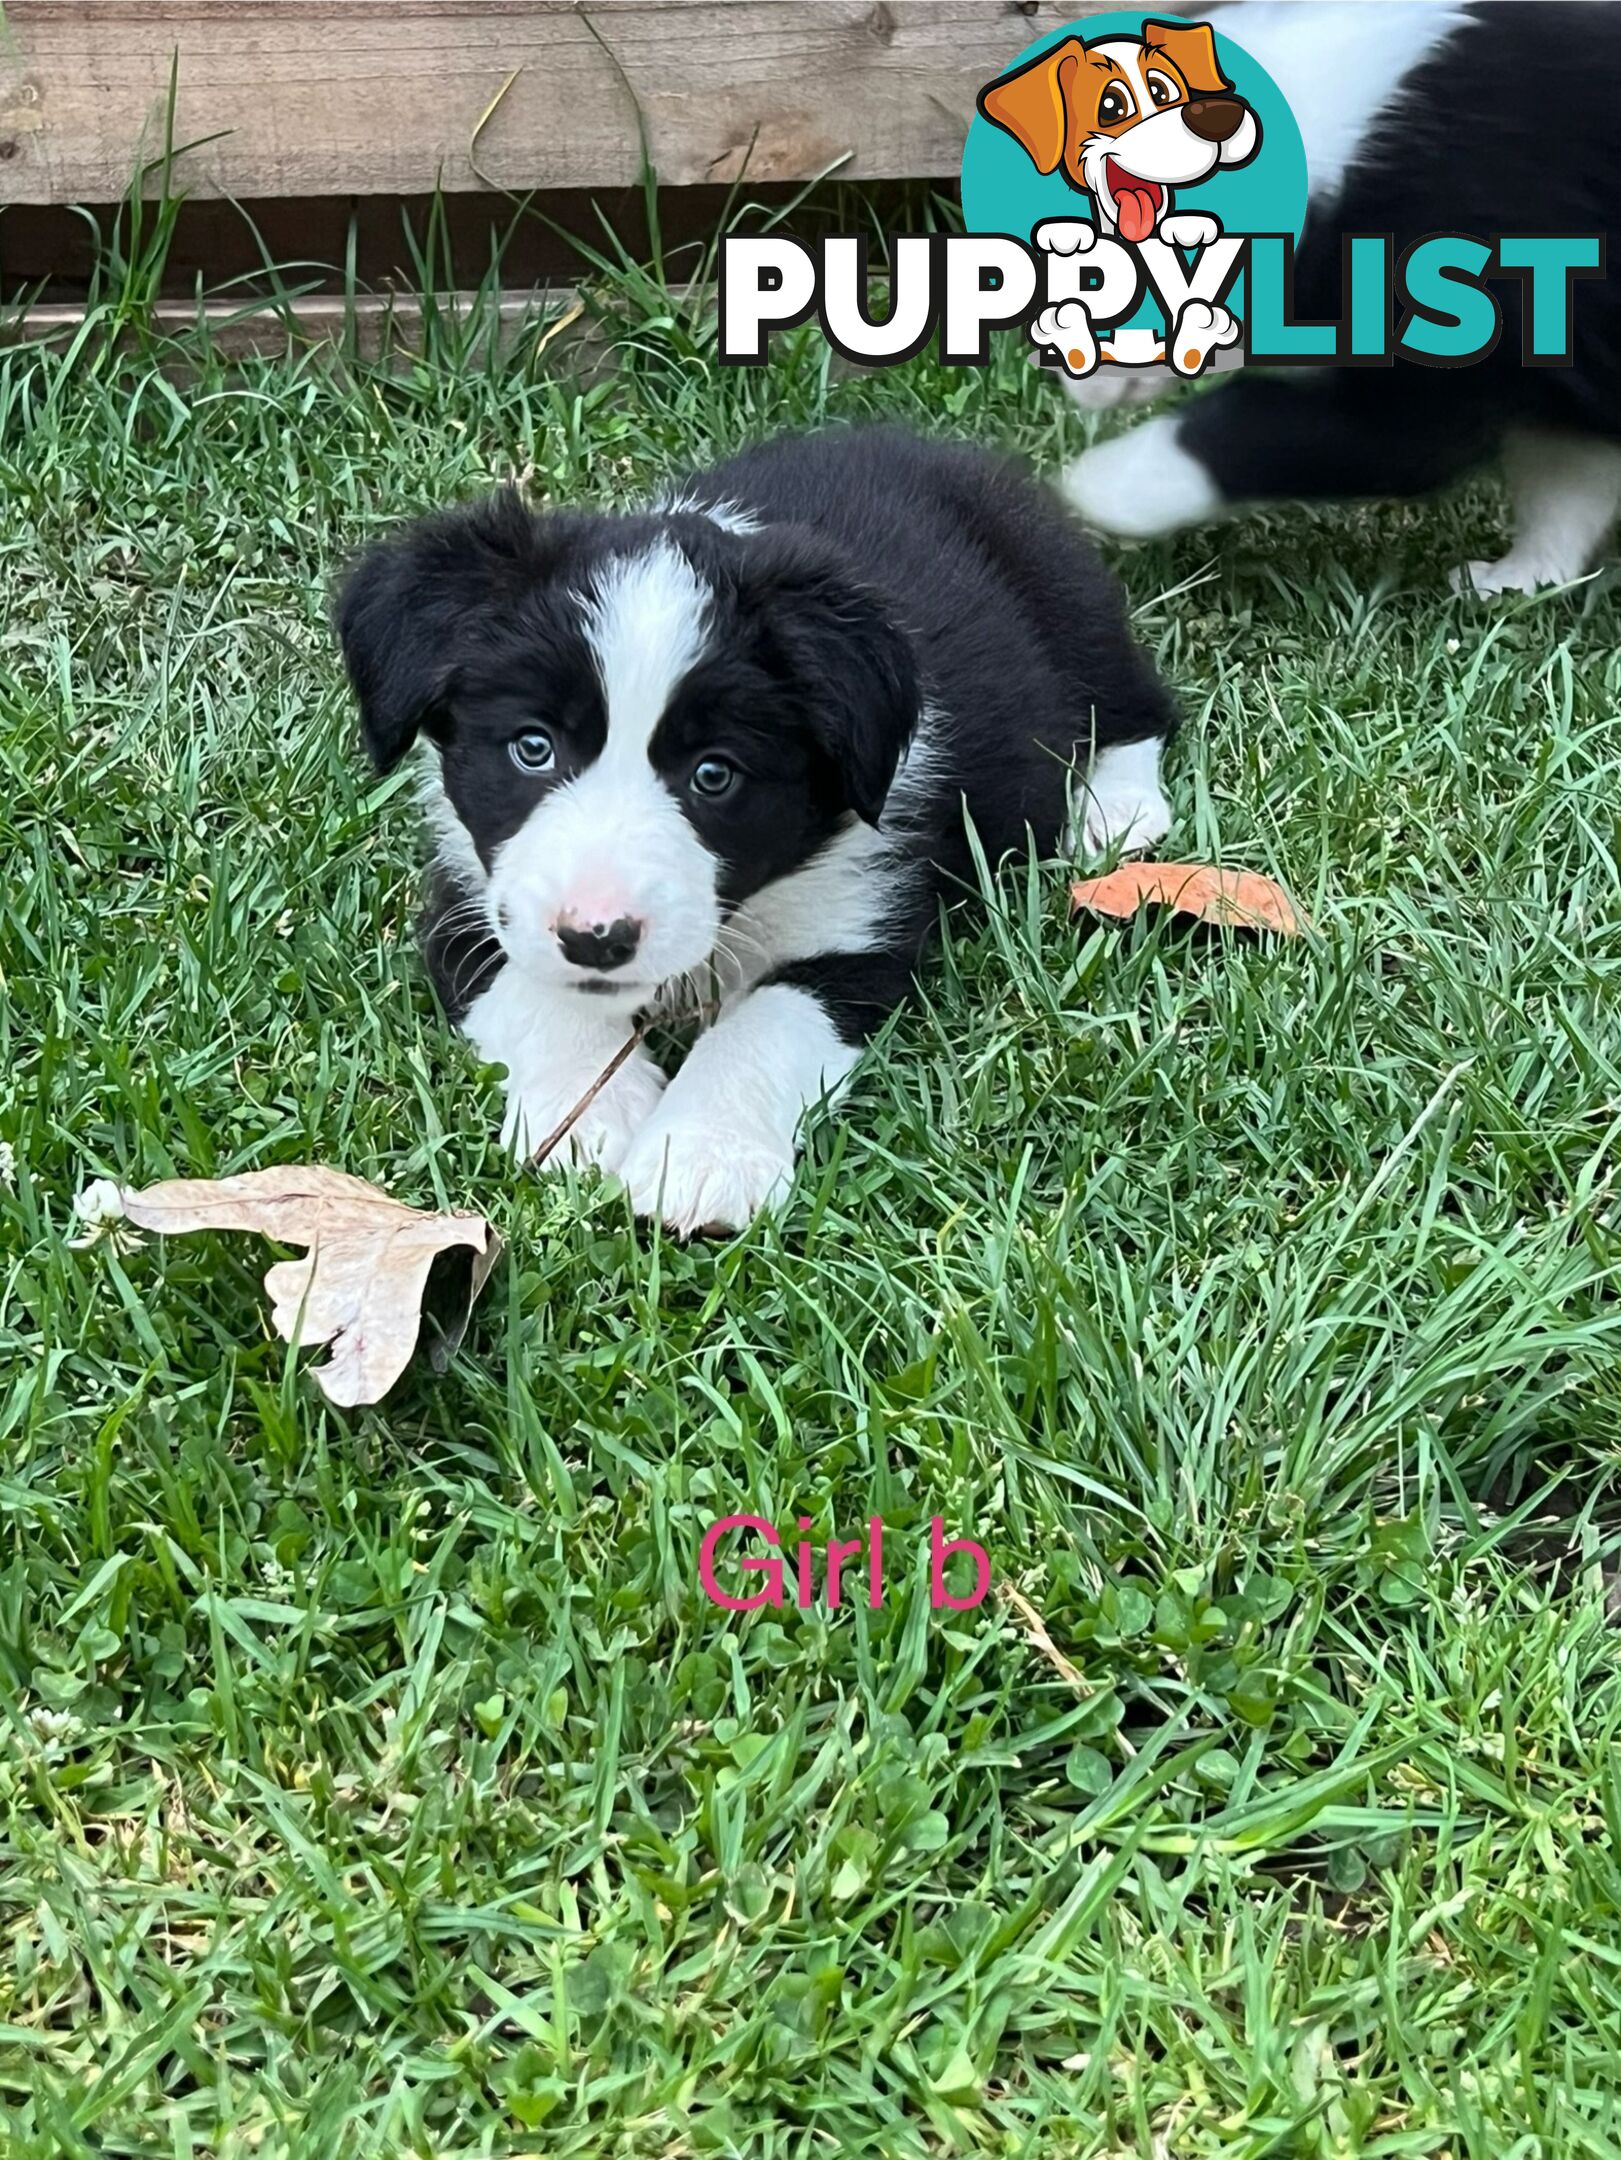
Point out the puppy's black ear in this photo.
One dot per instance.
(845, 664)
(406, 608)
(399, 676)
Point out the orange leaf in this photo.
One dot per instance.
(1238, 898)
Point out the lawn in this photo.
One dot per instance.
(381, 1783)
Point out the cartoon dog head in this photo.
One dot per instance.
(1127, 119)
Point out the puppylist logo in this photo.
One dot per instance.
(1134, 197)
(1135, 123)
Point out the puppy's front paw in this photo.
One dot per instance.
(1513, 574)
(602, 1134)
(1065, 236)
(1125, 820)
(1067, 328)
(1189, 229)
(1202, 329)
(698, 1175)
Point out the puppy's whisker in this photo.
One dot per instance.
(466, 907)
(458, 921)
(740, 946)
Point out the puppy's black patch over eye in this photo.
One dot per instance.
(533, 751)
(714, 777)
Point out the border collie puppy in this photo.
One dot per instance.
(718, 752)
(1417, 119)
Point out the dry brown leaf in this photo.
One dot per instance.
(362, 1284)
(1238, 898)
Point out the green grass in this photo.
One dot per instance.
(379, 1783)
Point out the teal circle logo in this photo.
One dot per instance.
(1148, 128)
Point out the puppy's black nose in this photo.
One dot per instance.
(601, 948)
(1213, 119)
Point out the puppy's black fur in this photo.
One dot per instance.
(1508, 126)
(895, 594)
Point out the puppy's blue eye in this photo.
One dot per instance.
(532, 751)
(713, 776)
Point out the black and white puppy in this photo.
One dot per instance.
(718, 752)
(1417, 118)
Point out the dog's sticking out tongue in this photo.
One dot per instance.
(1136, 202)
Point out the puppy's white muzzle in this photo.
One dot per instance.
(606, 884)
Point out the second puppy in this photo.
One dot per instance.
(723, 748)
(1418, 117)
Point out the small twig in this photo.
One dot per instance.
(632, 1042)
(635, 1039)
(1036, 1629)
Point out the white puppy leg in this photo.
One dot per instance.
(1566, 491)
(554, 1043)
(1121, 804)
(721, 1144)
(1143, 483)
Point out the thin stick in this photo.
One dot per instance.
(631, 1043)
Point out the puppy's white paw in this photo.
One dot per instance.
(1142, 483)
(1122, 820)
(1189, 229)
(1513, 574)
(697, 1175)
(537, 1104)
(1064, 236)
(1202, 329)
(1067, 327)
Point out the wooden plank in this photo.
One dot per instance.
(371, 324)
(357, 97)
(49, 251)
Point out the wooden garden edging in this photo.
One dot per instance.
(321, 98)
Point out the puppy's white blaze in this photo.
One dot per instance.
(614, 840)
(647, 624)
(1339, 64)
(720, 1146)
(1143, 483)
